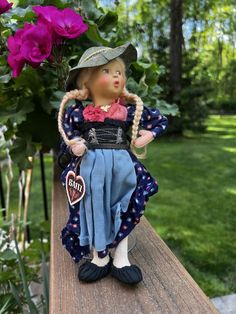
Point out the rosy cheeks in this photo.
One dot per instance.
(103, 80)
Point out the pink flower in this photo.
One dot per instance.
(46, 15)
(31, 45)
(15, 58)
(16, 65)
(36, 44)
(65, 23)
(5, 6)
(91, 113)
(69, 24)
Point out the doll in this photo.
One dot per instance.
(115, 184)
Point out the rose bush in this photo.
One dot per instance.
(33, 44)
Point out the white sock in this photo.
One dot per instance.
(99, 261)
(121, 254)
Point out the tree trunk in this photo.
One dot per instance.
(176, 39)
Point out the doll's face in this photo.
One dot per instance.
(107, 81)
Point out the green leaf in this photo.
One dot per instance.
(30, 303)
(56, 99)
(15, 112)
(25, 3)
(16, 294)
(21, 150)
(6, 303)
(167, 109)
(7, 275)
(90, 9)
(140, 89)
(5, 78)
(94, 35)
(45, 226)
(30, 79)
(20, 14)
(142, 65)
(8, 255)
(45, 274)
(107, 21)
(45, 132)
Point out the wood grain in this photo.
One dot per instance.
(167, 287)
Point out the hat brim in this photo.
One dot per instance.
(127, 52)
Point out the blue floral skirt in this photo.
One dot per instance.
(118, 187)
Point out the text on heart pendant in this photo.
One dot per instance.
(75, 185)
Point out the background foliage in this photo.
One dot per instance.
(208, 41)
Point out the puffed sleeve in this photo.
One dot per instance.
(151, 119)
(73, 117)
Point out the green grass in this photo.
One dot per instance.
(195, 208)
(36, 207)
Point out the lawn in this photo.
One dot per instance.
(194, 210)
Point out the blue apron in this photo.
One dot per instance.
(110, 180)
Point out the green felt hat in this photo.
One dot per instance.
(96, 56)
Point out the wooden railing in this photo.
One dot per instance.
(166, 287)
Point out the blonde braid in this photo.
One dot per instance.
(80, 94)
(137, 117)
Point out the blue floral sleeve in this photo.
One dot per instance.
(151, 120)
(73, 117)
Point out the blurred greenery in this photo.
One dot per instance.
(14, 281)
(38, 224)
(194, 210)
(208, 60)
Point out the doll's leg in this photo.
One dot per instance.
(98, 260)
(121, 254)
(121, 268)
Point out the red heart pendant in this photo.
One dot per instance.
(75, 187)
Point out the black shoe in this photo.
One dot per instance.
(90, 272)
(128, 274)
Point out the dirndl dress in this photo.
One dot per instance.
(117, 184)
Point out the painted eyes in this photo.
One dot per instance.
(106, 71)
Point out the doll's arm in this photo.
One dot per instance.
(72, 118)
(153, 122)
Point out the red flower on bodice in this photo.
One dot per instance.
(92, 113)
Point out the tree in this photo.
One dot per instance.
(176, 42)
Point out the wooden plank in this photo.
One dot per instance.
(167, 287)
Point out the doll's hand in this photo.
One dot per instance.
(78, 148)
(145, 138)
